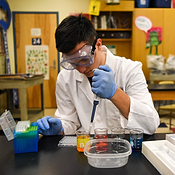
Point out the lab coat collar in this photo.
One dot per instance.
(110, 58)
(84, 85)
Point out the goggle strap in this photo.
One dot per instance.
(93, 47)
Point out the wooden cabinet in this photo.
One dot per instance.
(169, 32)
(160, 18)
(134, 46)
(119, 36)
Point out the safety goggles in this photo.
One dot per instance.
(83, 57)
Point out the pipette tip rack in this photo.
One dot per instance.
(24, 133)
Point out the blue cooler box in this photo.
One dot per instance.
(160, 3)
(142, 3)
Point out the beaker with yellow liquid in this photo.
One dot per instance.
(83, 137)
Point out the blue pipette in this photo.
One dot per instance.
(95, 103)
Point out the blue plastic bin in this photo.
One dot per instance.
(26, 141)
(142, 3)
(160, 3)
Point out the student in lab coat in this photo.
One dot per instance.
(89, 69)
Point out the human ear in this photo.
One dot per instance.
(99, 43)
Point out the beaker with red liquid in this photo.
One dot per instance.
(101, 133)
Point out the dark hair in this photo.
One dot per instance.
(72, 31)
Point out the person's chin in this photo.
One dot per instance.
(90, 74)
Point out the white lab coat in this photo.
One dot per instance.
(75, 99)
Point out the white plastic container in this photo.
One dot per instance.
(171, 138)
(7, 124)
(107, 153)
(161, 153)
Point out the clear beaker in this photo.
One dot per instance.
(118, 132)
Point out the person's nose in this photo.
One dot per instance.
(81, 69)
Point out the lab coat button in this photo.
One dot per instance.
(98, 120)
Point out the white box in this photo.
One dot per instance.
(161, 154)
(171, 138)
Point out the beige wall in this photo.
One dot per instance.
(63, 7)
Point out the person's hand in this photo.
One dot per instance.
(49, 126)
(103, 82)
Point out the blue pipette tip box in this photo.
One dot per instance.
(24, 133)
(26, 141)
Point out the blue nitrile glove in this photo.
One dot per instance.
(103, 82)
(49, 126)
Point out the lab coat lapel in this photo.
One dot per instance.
(84, 86)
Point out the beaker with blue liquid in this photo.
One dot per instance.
(136, 139)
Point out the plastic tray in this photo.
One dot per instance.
(161, 154)
(107, 153)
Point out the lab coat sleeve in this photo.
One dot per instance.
(143, 116)
(65, 109)
(142, 112)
